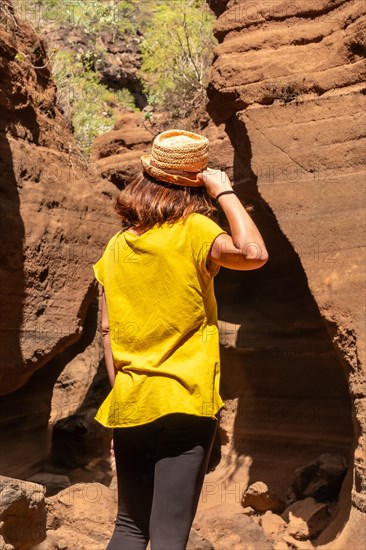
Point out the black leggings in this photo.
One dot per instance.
(160, 470)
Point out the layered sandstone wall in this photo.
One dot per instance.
(287, 86)
(55, 220)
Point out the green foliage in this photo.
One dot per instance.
(92, 16)
(176, 42)
(94, 106)
(177, 51)
(97, 16)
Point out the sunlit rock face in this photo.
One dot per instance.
(287, 89)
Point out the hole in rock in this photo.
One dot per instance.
(43, 275)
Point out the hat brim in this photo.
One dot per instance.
(176, 179)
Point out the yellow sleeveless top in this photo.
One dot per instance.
(162, 322)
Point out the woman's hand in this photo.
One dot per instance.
(215, 181)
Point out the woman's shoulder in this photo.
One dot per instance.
(203, 225)
(198, 219)
(110, 242)
(202, 232)
(115, 236)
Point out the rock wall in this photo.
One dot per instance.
(287, 88)
(55, 220)
(115, 155)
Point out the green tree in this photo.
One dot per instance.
(177, 52)
(92, 16)
(94, 107)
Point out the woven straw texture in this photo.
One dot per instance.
(176, 157)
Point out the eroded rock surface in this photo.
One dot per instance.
(258, 497)
(116, 154)
(55, 221)
(322, 478)
(306, 518)
(287, 86)
(91, 506)
(22, 514)
(273, 526)
(229, 529)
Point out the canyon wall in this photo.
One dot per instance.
(55, 220)
(287, 91)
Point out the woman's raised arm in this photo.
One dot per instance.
(245, 248)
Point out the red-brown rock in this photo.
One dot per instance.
(287, 85)
(22, 514)
(55, 220)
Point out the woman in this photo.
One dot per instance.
(161, 343)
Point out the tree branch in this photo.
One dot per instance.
(190, 56)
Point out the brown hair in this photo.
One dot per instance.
(146, 201)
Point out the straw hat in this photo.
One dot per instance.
(176, 157)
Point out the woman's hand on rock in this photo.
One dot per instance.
(215, 181)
